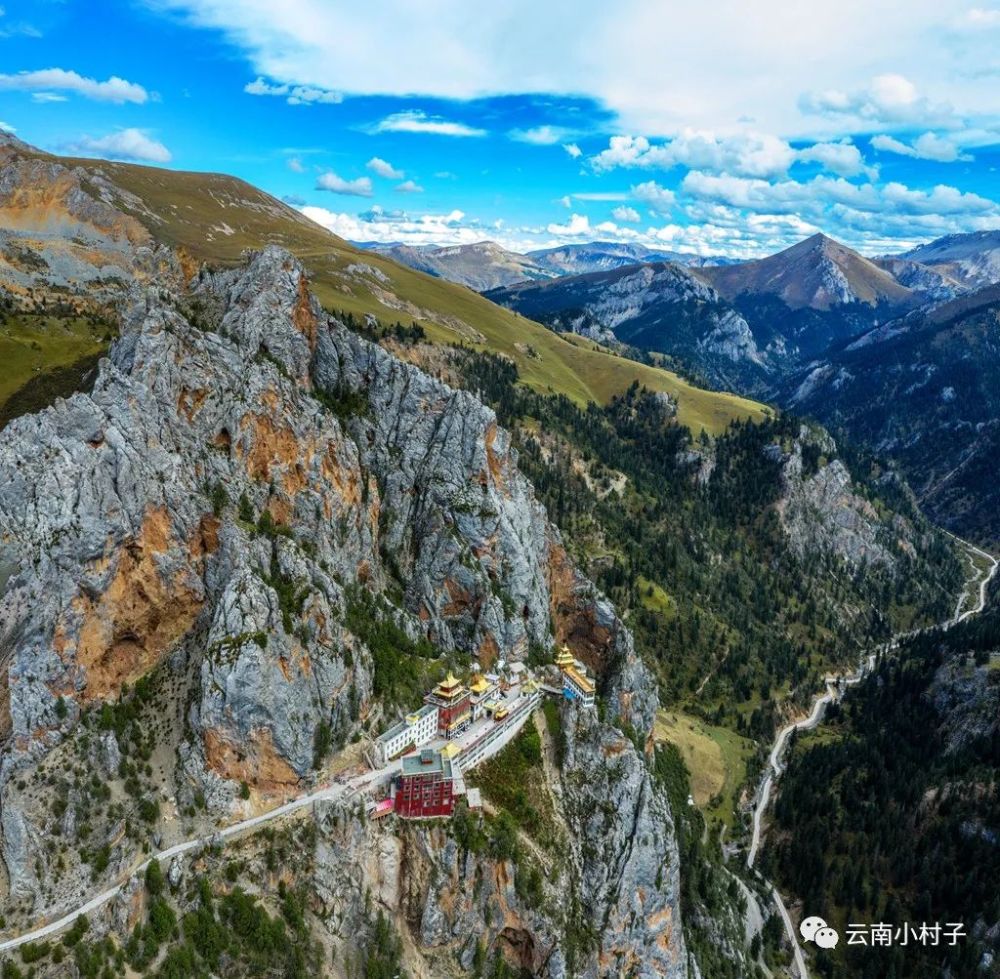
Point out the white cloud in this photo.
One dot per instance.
(7, 127)
(565, 201)
(929, 146)
(113, 89)
(296, 165)
(842, 158)
(260, 87)
(745, 154)
(889, 100)
(834, 199)
(577, 226)
(409, 187)
(20, 28)
(359, 187)
(539, 135)
(126, 144)
(979, 18)
(43, 98)
(650, 193)
(573, 150)
(871, 219)
(294, 94)
(384, 169)
(623, 213)
(416, 121)
(601, 195)
(304, 95)
(754, 67)
(453, 228)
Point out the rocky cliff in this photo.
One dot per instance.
(606, 898)
(659, 306)
(207, 516)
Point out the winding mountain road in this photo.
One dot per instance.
(234, 829)
(835, 687)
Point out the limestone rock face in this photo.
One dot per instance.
(820, 509)
(242, 467)
(617, 876)
(625, 850)
(56, 234)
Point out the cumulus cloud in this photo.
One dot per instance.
(126, 144)
(409, 187)
(624, 213)
(650, 193)
(573, 150)
(415, 121)
(888, 99)
(296, 165)
(7, 127)
(929, 146)
(744, 154)
(359, 187)
(378, 224)
(842, 158)
(836, 199)
(384, 169)
(294, 94)
(113, 89)
(577, 226)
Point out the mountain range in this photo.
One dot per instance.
(278, 503)
(481, 266)
(486, 265)
(899, 352)
(261, 490)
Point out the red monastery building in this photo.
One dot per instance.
(454, 706)
(425, 787)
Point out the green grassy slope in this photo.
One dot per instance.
(31, 345)
(214, 217)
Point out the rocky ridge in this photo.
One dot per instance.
(609, 869)
(242, 463)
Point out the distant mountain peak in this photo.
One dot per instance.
(973, 258)
(480, 265)
(818, 272)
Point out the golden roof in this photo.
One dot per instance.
(449, 686)
(479, 685)
(564, 658)
(580, 680)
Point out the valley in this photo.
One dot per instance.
(971, 602)
(309, 481)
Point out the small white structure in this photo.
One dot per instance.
(412, 732)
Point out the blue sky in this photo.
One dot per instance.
(727, 128)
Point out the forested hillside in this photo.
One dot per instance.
(728, 597)
(891, 811)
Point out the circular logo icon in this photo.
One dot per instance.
(810, 926)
